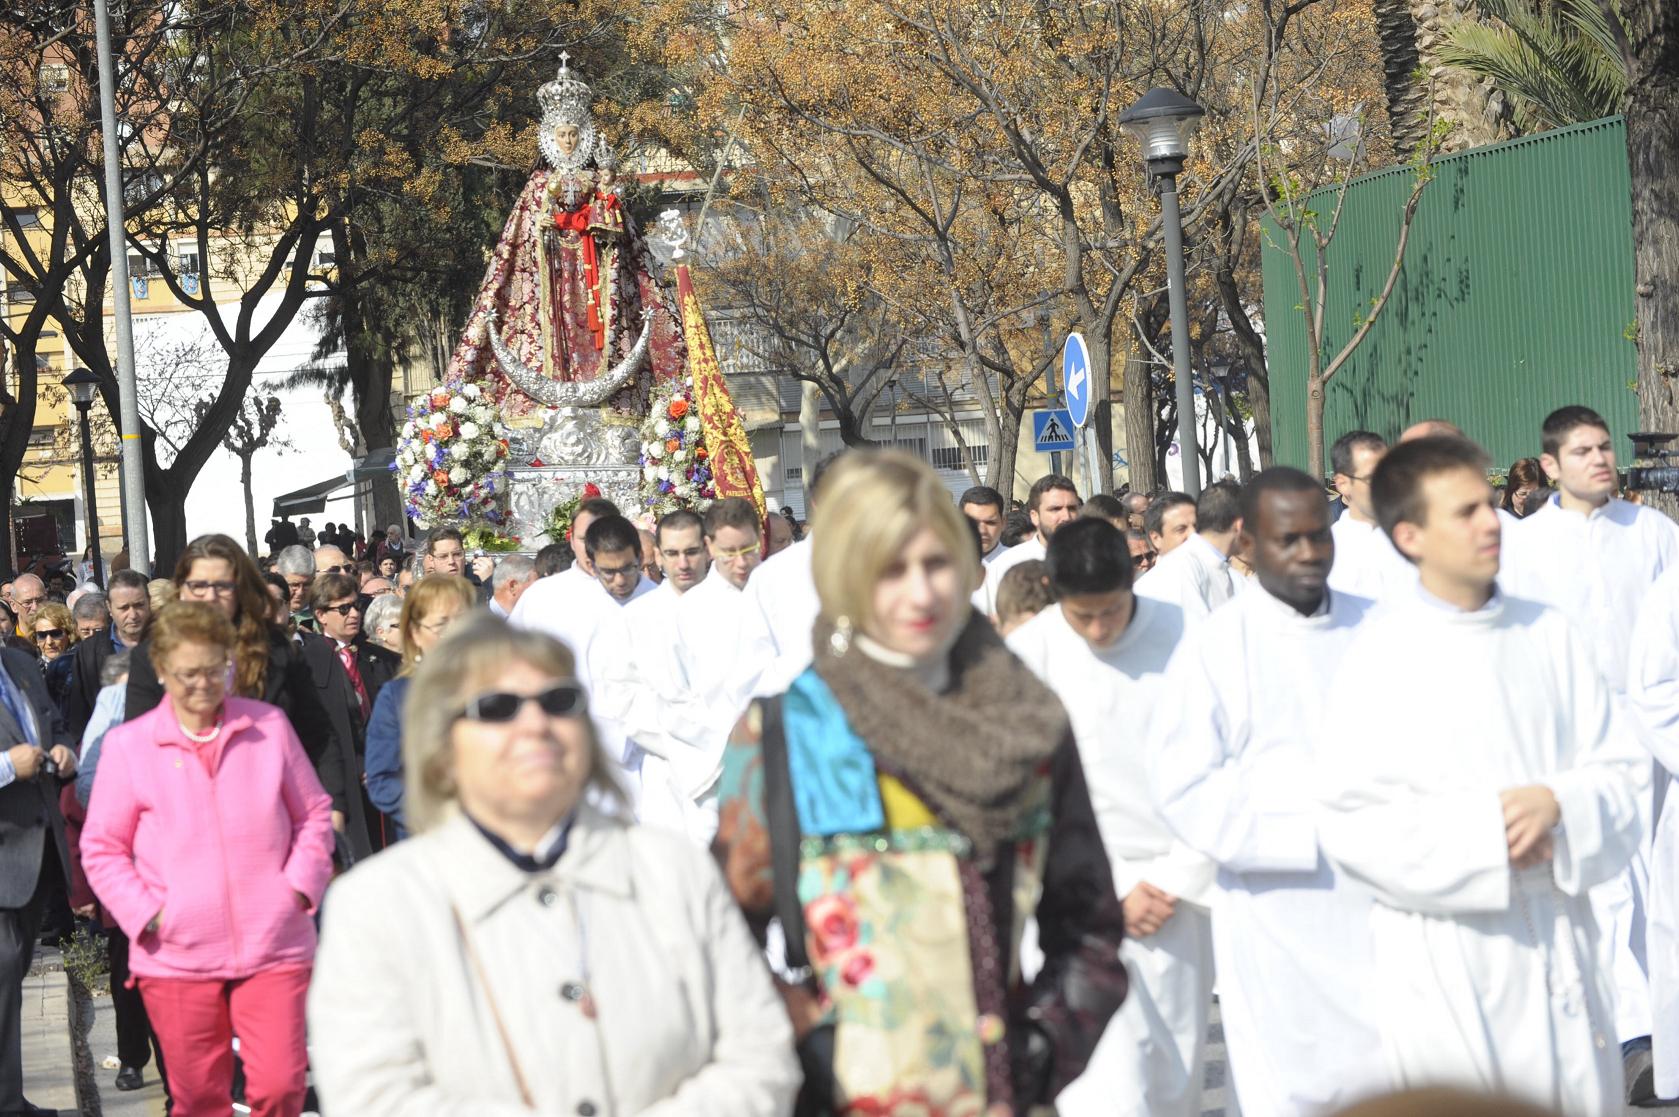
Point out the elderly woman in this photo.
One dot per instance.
(54, 636)
(895, 810)
(548, 957)
(383, 622)
(209, 840)
(215, 571)
(429, 609)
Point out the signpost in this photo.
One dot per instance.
(1079, 380)
(1052, 430)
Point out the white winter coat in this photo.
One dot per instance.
(684, 1018)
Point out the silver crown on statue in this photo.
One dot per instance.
(567, 100)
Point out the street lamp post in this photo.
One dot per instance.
(1163, 121)
(82, 386)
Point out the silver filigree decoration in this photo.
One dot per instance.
(563, 393)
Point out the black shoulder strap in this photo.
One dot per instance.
(783, 819)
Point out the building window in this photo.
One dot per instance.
(55, 78)
(42, 438)
(20, 293)
(950, 457)
(186, 262)
(26, 217)
(142, 266)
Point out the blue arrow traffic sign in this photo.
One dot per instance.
(1075, 377)
(1052, 429)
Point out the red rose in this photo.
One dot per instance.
(858, 968)
(591, 491)
(678, 408)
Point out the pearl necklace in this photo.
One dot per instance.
(203, 739)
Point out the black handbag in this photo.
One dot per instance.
(816, 1049)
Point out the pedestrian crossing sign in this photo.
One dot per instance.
(1052, 429)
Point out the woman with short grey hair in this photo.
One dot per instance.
(381, 621)
(546, 926)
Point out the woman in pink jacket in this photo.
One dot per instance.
(209, 839)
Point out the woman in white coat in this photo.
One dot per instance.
(528, 951)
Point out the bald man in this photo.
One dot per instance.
(29, 593)
(1431, 428)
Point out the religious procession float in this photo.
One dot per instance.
(580, 372)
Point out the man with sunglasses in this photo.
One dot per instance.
(348, 671)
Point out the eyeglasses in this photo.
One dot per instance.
(49, 634)
(344, 569)
(563, 699)
(617, 571)
(200, 589)
(26, 602)
(200, 676)
(342, 610)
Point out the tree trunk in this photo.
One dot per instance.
(1314, 426)
(250, 503)
(1652, 48)
(1259, 399)
(14, 444)
(1139, 423)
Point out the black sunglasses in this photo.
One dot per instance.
(560, 700)
(49, 634)
(343, 610)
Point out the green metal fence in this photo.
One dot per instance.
(1516, 297)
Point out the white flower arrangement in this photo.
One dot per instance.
(453, 467)
(676, 466)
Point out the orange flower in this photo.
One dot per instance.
(700, 454)
(425, 434)
(440, 400)
(442, 478)
(678, 408)
(672, 445)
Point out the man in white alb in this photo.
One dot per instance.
(573, 609)
(780, 607)
(1169, 522)
(1366, 565)
(644, 688)
(1196, 576)
(1478, 776)
(1052, 502)
(1232, 738)
(1595, 556)
(984, 508)
(1103, 651)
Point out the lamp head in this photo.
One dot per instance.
(81, 384)
(1163, 120)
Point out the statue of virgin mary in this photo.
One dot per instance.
(569, 313)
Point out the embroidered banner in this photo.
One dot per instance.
(732, 468)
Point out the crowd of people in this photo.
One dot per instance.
(939, 806)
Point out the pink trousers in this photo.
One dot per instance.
(195, 1023)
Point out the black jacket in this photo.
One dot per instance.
(89, 663)
(29, 808)
(341, 768)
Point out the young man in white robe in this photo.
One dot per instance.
(1052, 502)
(1477, 775)
(650, 695)
(709, 622)
(1196, 576)
(574, 612)
(1595, 556)
(983, 506)
(1366, 565)
(1653, 696)
(1103, 651)
(1232, 736)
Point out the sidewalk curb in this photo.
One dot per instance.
(51, 996)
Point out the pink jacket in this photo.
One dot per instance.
(223, 856)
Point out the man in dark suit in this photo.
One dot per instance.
(33, 854)
(131, 615)
(349, 670)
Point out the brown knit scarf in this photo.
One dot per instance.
(972, 752)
